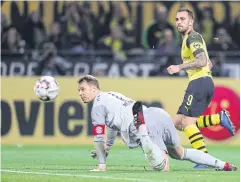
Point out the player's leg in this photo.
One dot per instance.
(176, 151)
(178, 121)
(194, 104)
(195, 137)
(199, 157)
(156, 157)
(221, 118)
(208, 120)
(193, 133)
(192, 107)
(172, 139)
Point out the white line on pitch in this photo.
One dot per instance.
(79, 175)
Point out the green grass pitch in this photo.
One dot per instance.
(71, 163)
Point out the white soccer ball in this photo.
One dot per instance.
(46, 88)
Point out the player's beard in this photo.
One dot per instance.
(182, 31)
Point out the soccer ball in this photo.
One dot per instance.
(46, 88)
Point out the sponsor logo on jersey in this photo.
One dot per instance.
(197, 45)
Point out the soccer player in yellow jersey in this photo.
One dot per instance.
(200, 89)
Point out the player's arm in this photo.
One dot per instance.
(98, 120)
(195, 44)
(200, 61)
(111, 136)
(210, 64)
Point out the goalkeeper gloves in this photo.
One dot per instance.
(93, 154)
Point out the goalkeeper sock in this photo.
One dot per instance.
(208, 120)
(195, 138)
(199, 157)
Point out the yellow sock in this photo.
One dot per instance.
(195, 138)
(208, 120)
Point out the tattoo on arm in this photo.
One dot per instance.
(199, 61)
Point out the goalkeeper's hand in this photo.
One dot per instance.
(101, 168)
(93, 153)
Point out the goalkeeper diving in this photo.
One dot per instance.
(151, 129)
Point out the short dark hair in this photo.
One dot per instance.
(90, 80)
(190, 13)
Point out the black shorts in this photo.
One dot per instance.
(198, 95)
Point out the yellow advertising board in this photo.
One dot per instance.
(27, 120)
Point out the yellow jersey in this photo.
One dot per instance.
(193, 44)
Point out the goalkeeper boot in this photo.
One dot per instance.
(200, 166)
(226, 122)
(228, 167)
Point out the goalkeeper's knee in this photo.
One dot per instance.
(161, 166)
(161, 163)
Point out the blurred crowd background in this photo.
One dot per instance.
(113, 39)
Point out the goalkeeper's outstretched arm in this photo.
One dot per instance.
(111, 136)
(100, 151)
(98, 121)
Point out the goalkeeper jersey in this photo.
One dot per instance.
(114, 110)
